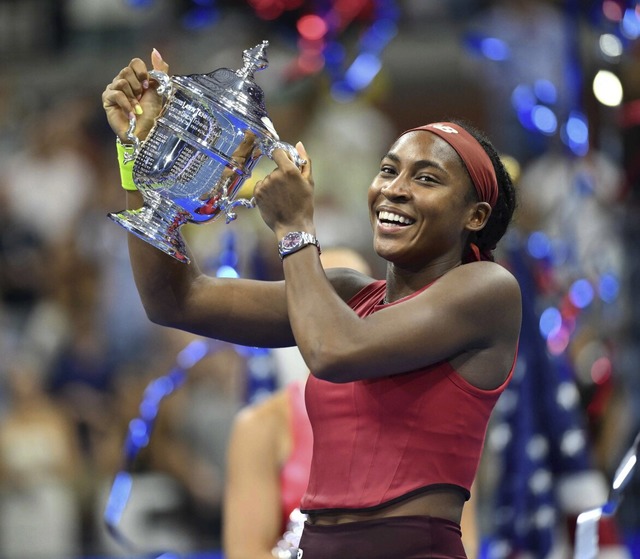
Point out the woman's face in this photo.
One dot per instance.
(421, 202)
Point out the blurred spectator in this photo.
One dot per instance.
(187, 450)
(45, 185)
(196, 427)
(41, 473)
(157, 515)
(48, 184)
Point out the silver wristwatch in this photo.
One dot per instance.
(294, 241)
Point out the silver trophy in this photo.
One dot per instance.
(211, 132)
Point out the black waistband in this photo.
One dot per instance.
(427, 489)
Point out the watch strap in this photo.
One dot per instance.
(294, 241)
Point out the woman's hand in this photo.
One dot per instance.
(133, 93)
(285, 196)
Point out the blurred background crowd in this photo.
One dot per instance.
(556, 84)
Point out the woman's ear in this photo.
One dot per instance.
(479, 216)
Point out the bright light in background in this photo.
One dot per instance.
(612, 10)
(558, 341)
(550, 322)
(544, 119)
(489, 47)
(545, 91)
(630, 25)
(628, 466)
(531, 114)
(608, 288)
(601, 370)
(610, 45)
(226, 272)
(607, 88)
(312, 27)
(522, 98)
(581, 293)
(575, 133)
(539, 245)
(362, 71)
(494, 49)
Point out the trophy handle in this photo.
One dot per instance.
(164, 89)
(227, 207)
(269, 146)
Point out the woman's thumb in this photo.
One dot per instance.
(158, 62)
(306, 168)
(301, 150)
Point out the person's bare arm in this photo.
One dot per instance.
(472, 312)
(252, 504)
(173, 293)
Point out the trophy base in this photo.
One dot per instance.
(157, 223)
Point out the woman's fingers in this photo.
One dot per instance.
(282, 158)
(306, 167)
(158, 62)
(137, 76)
(129, 92)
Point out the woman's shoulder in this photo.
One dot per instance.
(348, 282)
(487, 275)
(476, 290)
(264, 427)
(265, 416)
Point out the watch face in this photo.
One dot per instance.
(291, 240)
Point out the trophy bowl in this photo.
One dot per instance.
(212, 130)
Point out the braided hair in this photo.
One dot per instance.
(487, 238)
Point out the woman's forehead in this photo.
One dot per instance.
(423, 145)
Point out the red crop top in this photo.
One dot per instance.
(377, 441)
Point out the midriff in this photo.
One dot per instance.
(442, 504)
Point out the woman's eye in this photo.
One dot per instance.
(425, 178)
(385, 169)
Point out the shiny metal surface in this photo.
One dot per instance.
(212, 131)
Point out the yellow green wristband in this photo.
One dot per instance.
(126, 169)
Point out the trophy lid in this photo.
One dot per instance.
(237, 90)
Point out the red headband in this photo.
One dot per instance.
(478, 163)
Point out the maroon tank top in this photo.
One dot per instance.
(377, 441)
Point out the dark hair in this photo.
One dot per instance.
(487, 238)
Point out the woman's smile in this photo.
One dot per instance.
(390, 220)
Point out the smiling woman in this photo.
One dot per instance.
(405, 371)
(497, 205)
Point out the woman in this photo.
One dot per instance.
(404, 372)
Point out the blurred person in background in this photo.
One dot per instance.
(197, 422)
(41, 473)
(46, 185)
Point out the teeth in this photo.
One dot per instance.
(388, 216)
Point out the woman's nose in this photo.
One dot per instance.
(395, 189)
